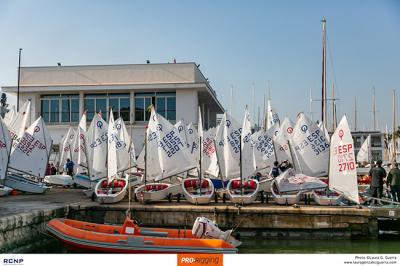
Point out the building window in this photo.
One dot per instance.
(165, 104)
(60, 108)
(119, 102)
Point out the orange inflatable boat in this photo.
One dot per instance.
(130, 238)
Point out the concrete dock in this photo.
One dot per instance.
(23, 217)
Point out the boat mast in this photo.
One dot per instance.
(323, 99)
(200, 172)
(145, 156)
(394, 128)
(334, 119)
(373, 108)
(240, 164)
(355, 113)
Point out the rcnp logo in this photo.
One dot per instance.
(13, 261)
(200, 259)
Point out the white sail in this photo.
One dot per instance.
(263, 150)
(323, 129)
(5, 149)
(97, 147)
(113, 141)
(180, 126)
(281, 141)
(290, 181)
(66, 147)
(79, 151)
(342, 166)
(82, 122)
(272, 115)
(9, 116)
(124, 136)
(19, 123)
(364, 154)
(165, 141)
(248, 165)
(209, 161)
(32, 152)
(192, 137)
(310, 147)
(227, 139)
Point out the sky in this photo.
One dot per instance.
(239, 44)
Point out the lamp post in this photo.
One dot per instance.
(19, 74)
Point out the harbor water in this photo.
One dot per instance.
(386, 244)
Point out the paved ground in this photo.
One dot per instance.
(56, 197)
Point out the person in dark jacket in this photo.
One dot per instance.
(377, 175)
(393, 181)
(275, 171)
(69, 167)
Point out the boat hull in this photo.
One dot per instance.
(83, 180)
(149, 240)
(154, 195)
(265, 185)
(25, 185)
(285, 199)
(196, 198)
(108, 198)
(4, 190)
(248, 197)
(59, 180)
(327, 200)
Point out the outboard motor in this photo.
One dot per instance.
(205, 228)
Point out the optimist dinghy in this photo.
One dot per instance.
(164, 156)
(113, 189)
(198, 190)
(342, 168)
(244, 190)
(205, 237)
(59, 180)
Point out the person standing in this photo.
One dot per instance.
(69, 167)
(275, 171)
(377, 175)
(393, 180)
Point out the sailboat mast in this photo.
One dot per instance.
(355, 113)
(394, 128)
(240, 168)
(145, 156)
(323, 99)
(200, 172)
(373, 108)
(311, 116)
(334, 119)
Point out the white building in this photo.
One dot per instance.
(62, 93)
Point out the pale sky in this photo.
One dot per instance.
(236, 43)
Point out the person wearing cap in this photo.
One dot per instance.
(377, 175)
(393, 181)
